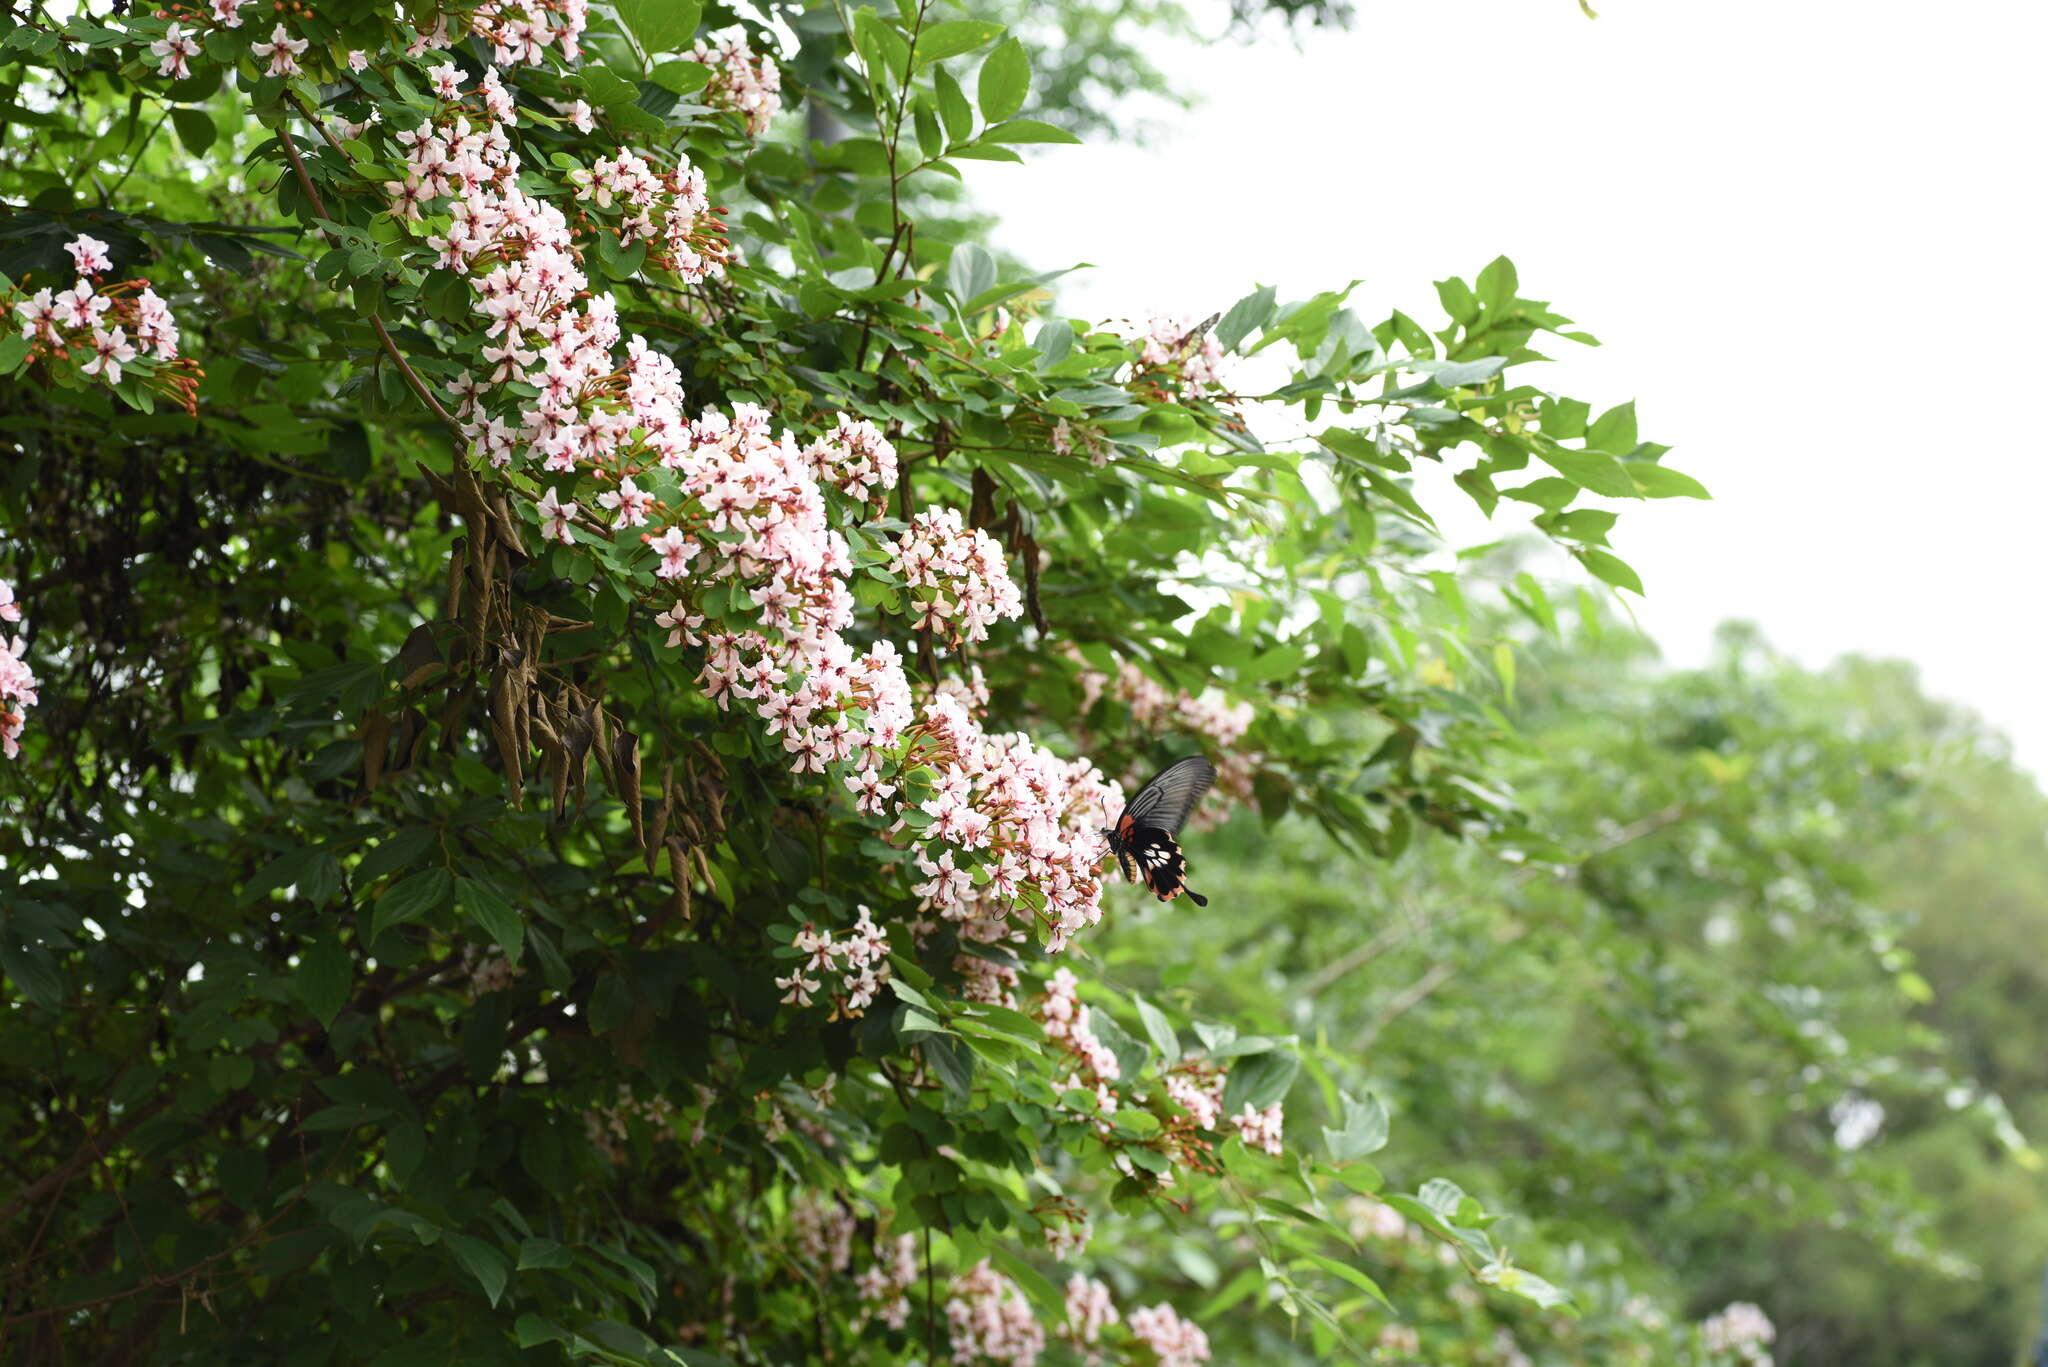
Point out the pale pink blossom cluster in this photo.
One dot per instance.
(854, 458)
(823, 1230)
(17, 680)
(1089, 1310)
(1198, 1090)
(1376, 1219)
(608, 1126)
(668, 210)
(984, 980)
(111, 328)
(520, 32)
(1029, 819)
(1155, 708)
(1399, 1340)
(1094, 1065)
(487, 970)
(1742, 1329)
(1177, 1342)
(741, 80)
(1065, 436)
(749, 515)
(1261, 1129)
(1195, 368)
(884, 1287)
(965, 582)
(1067, 1234)
(988, 1318)
(859, 962)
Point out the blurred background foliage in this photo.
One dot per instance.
(1758, 1045)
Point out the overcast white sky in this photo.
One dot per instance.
(1807, 231)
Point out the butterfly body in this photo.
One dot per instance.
(1143, 837)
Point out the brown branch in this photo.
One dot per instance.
(405, 370)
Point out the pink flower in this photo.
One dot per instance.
(1177, 1342)
(79, 307)
(283, 51)
(358, 60)
(632, 502)
(554, 519)
(173, 49)
(90, 253)
(110, 351)
(676, 550)
(227, 13)
(446, 79)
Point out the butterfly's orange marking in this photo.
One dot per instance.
(1124, 825)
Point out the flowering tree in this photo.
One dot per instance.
(577, 699)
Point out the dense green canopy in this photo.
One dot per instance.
(576, 648)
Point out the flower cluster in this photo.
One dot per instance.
(114, 328)
(1157, 709)
(988, 1317)
(984, 980)
(1089, 1311)
(860, 962)
(609, 1126)
(1741, 1329)
(741, 81)
(965, 583)
(1189, 367)
(486, 970)
(856, 459)
(1027, 818)
(17, 680)
(521, 31)
(823, 1230)
(1261, 1129)
(1066, 1225)
(1177, 1342)
(1197, 1088)
(737, 512)
(668, 210)
(885, 1286)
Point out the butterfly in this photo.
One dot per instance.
(1143, 838)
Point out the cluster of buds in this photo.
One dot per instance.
(741, 80)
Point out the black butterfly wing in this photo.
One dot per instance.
(1143, 838)
(1165, 803)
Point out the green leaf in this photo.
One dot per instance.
(1248, 313)
(1615, 430)
(953, 106)
(1259, 1081)
(195, 129)
(482, 1262)
(1158, 1029)
(1611, 568)
(1497, 283)
(1658, 482)
(13, 347)
(1054, 342)
(34, 973)
(323, 978)
(497, 916)
(1033, 1282)
(969, 271)
(1026, 130)
(1595, 471)
(661, 25)
(1352, 1275)
(1364, 1132)
(1005, 79)
(952, 38)
(681, 77)
(411, 898)
(543, 1253)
